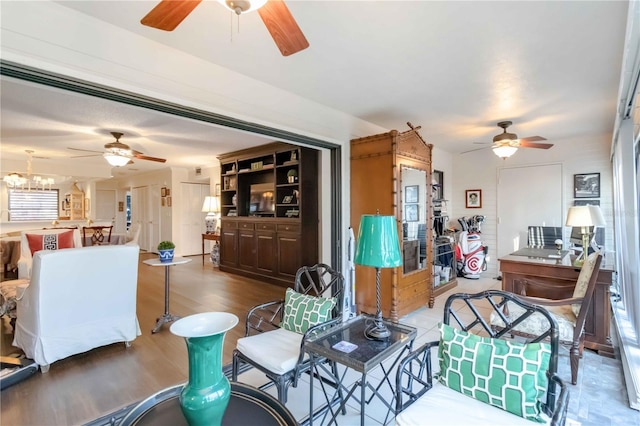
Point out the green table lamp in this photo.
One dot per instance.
(378, 246)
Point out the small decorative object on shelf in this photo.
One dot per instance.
(206, 395)
(165, 251)
(292, 213)
(257, 165)
(292, 176)
(294, 155)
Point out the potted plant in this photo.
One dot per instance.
(292, 176)
(165, 251)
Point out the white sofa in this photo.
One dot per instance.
(26, 260)
(78, 299)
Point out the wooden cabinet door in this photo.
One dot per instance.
(246, 249)
(229, 247)
(266, 251)
(288, 254)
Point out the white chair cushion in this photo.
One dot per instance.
(444, 406)
(276, 350)
(536, 324)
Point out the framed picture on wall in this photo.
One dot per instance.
(473, 198)
(163, 192)
(412, 214)
(411, 194)
(216, 192)
(586, 185)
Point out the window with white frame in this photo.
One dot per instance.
(34, 205)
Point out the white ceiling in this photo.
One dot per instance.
(455, 68)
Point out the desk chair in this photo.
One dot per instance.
(543, 237)
(570, 314)
(98, 235)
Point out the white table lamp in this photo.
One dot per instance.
(211, 205)
(586, 217)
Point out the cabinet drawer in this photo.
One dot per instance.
(289, 227)
(265, 226)
(245, 225)
(229, 225)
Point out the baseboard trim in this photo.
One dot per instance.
(629, 355)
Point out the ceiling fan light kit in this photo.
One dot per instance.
(243, 6)
(116, 160)
(504, 151)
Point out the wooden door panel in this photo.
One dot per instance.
(266, 252)
(246, 250)
(288, 255)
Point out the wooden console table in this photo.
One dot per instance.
(564, 274)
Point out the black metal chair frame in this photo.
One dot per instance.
(415, 373)
(311, 280)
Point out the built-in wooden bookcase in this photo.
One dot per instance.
(269, 206)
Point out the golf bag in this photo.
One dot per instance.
(471, 253)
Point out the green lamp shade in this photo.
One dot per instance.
(378, 243)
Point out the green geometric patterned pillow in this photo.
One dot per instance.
(508, 375)
(302, 311)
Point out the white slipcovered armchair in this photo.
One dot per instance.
(26, 259)
(78, 299)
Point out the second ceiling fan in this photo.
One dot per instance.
(117, 153)
(506, 144)
(284, 30)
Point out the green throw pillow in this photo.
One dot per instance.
(302, 311)
(508, 375)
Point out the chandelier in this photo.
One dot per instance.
(16, 180)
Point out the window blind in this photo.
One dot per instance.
(34, 205)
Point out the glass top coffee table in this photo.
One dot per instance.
(367, 355)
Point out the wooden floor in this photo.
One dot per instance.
(83, 387)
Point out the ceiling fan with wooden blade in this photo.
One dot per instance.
(117, 153)
(506, 144)
(275, 14)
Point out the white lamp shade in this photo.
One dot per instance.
(585, 216)
(116, 160)
(211, 205)
(505, 151)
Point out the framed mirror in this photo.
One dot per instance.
(414, 218)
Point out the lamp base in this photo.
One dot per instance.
(211, 223)
(378, 331)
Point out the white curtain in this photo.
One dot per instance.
(627, 229)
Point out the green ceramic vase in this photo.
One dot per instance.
(206, 395)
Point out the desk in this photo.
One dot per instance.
(166, 317)
(368, 355)
(564, 274)
(211, 237)
(247, 406)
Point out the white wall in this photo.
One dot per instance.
(478, 170)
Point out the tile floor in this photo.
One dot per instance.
(599, 398)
